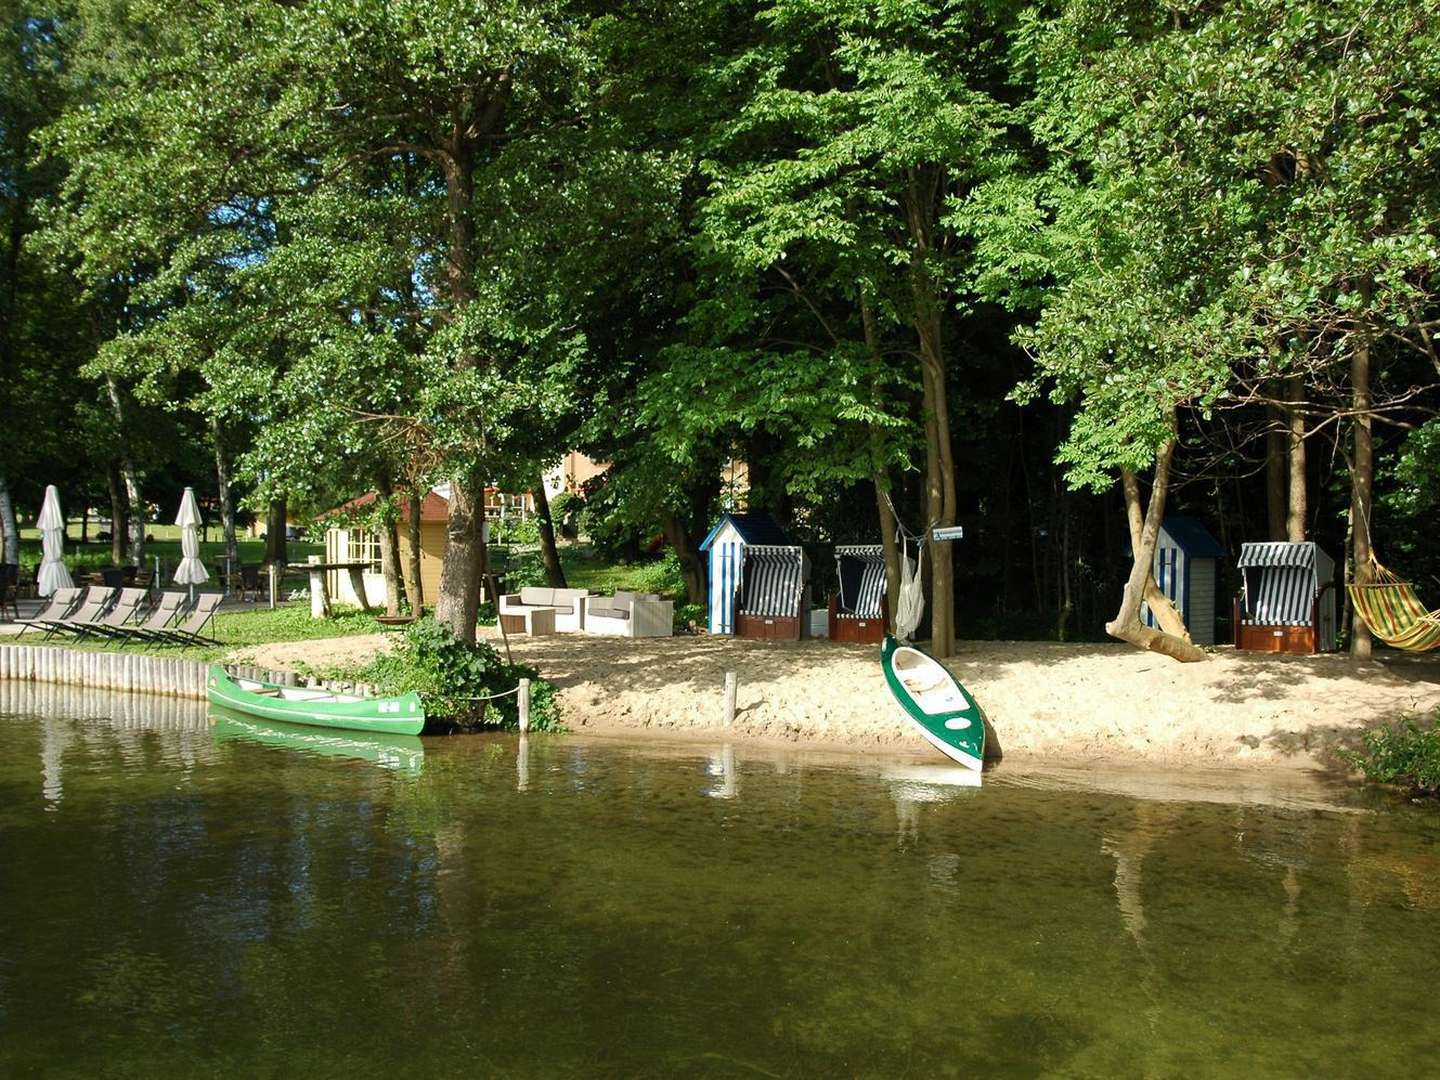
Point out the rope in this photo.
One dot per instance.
(488, 697)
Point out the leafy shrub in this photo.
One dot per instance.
(454, 679)
(1405, 752)
(512, 530)
(661, 576)
(685, 614)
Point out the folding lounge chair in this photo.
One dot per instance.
(168, 608)
(188, 632)
(60, 604)
(112, 623)
(97, 599)
(117, 606)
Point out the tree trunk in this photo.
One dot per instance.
(1298, 509)
(1362, 478)
(1126, 625)
(414, 587)
(10, 550)
(691, 568)
(1160, 604)
(227, 504)
(134, 499)
(889, 528)
(119, 512)
(549, 553)
(465, 558)
(939, 463)
(277, 518)
(1276, 494)
(389, 544)
(84, 520)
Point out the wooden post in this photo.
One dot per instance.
(522, 696)
(274, 583)
(319, 591)
(732, 684)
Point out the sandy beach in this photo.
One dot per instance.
(1077, 703)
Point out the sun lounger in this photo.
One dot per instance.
(170, 606)
(96, 602)
(112, 623)
(188, 632)
(117, 606)
(60, 604)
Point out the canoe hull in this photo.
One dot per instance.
(404, 715)
(958, 730)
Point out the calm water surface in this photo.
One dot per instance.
(181, 896)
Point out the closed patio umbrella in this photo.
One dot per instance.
(53, 574)
(191, 570)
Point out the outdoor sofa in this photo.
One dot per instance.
(566, 603)
(629, 614)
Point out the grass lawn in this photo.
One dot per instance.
(585, 569)
(236, 629)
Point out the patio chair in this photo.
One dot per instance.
(113, 577)
(188, 632)
(170, 606)
(9, 584)
(96, 602)
(60, 604)
(249, 581)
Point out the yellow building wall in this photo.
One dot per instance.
(432, 556)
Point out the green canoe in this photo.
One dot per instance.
(403, 715)
(934, 701)
(401, 753)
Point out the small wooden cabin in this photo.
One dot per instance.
(758, 579)
(858, 610)
(1286, 602)
(345, 543)
(1186, 562)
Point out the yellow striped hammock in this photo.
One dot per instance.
(1393, 612)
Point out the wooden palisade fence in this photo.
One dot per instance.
(138, 673)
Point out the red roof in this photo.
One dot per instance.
(432, 508)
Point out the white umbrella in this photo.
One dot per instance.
(53, 574)
(191, 570)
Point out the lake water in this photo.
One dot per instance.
(180, 897)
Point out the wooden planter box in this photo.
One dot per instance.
(847, 628)
(767, 627)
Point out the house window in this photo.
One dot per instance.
(364, 546)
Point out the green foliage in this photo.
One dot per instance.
(453, 676)
(686, 614)
(1404, 752)
(515, 530)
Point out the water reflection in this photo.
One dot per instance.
(566, 907)
(720, 765)
(400, 753)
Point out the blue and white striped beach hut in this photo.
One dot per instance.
(1287, 598)
(758, 577)
(1186, 559)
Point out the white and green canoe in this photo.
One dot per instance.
(934, 701)
(315, 707)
